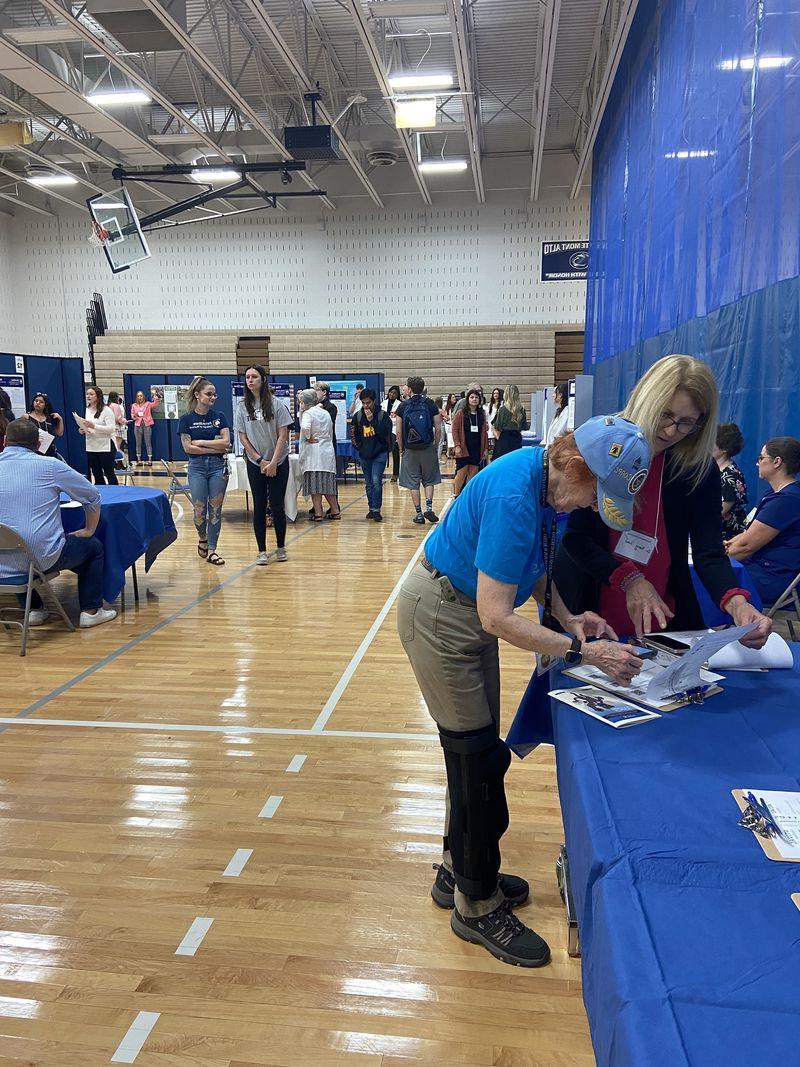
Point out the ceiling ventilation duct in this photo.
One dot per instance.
(136, 27)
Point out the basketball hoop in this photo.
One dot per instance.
(98, 236)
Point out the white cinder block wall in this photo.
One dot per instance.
(8, 333)
(415, 266)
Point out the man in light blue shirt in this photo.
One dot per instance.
(30, 492)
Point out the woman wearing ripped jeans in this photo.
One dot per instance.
(206, 437)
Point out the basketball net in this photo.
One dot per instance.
(98, 236)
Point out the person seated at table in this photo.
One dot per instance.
(730, 443)
(640, 579)
(45, 418)
(317, 456)
(205, 437)
(490, 554)
(372, 437)
(770, 546)
(262, 423)
(30, 492)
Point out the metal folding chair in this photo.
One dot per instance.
(125, 472)
(176, 486)
(787, 606)
(10, 541)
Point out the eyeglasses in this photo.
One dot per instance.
(683, 426)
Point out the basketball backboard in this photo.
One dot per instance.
(116, 228)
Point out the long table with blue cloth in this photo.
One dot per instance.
(690, 940)
(134, 522)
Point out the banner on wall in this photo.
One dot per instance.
(564, 261)
(14, 385)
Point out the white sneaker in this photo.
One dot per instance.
(38, 616)
(98, 618)
(262, 559)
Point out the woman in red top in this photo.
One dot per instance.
(641, 580)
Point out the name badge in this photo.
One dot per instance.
(474, 429)
(636, 546)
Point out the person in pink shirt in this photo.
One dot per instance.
(142, 415)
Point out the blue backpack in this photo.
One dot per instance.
(417, 423)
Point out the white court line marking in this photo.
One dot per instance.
(193, 938)
(237, 862)
(138, 1032)
(369, 637)
(172, 727)
(271, 806)
(296, 763)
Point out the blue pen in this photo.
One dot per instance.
(761, 807)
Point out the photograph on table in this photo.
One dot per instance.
(604, 706)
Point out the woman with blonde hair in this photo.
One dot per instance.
(640, 579)
(509, 423)
(206, 437)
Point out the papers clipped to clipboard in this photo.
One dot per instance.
(774, 818)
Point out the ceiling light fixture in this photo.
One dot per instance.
(215, 174)
(443, 166)
(52, 179)
(402, 82)
(119, 98)
(415, 114)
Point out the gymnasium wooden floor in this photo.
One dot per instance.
(134, 773)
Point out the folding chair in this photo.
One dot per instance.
(10, 541)
(125, 472)
(779, 609)
(176, 486)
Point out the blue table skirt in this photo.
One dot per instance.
(134, 522)
(712, 614)
(688, 933)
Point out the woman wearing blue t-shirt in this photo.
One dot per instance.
(493, 550)
(770, 546)
(206, 437)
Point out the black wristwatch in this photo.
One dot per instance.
(573, 656)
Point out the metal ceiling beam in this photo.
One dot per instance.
(38, 158)
(295, 66)
(28, 207)
(224, 84)
(460, 35)
(368, 41)
(611, 35)
(547, 60)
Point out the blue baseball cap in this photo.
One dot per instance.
(617, 453)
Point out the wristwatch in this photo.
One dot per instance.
(573, 656)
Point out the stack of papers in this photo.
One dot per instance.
(604, 706)
(733, 656)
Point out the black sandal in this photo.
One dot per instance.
(202, 552)
(316, 518)
(329, 514)
(215, 559)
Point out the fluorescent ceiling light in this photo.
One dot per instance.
(415, 114)
(421, 81)
(52, 179)
(442, 166)
(748, 62)
(691, 153)
(41, 35)
(215, 174)
(175, 138)
(118, 98)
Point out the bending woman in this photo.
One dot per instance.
(263, 427)
(206, 437)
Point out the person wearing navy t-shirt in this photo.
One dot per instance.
(206, 437)
(493, 550)
(770, 546)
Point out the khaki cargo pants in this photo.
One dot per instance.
(457, 667)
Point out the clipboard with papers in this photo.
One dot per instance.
(773, 816)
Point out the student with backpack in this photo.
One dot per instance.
(419, 430)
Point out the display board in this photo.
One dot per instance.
(14, 385)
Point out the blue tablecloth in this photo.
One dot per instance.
(134, 522)
(712, 614)
(346, 449)
(689, 937)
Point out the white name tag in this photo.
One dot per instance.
(636, 546)
(474, 429)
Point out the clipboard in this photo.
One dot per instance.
(633, 698)
(767, 844)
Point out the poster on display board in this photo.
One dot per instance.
(338, 397)
(283, 391)
(172, 401)
(14, 385)
(237, 397)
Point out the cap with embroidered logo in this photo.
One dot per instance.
(617, 453)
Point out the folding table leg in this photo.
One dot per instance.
(135, 583)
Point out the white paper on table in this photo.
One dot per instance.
(72, 504)
(775, 654)
(603, 706)
(45, 440)
(638, 689)
(785, 809)
(686, 672)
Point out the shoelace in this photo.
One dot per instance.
(508, 925)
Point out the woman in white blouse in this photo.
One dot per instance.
(317, 456)
(99, 432)
(558, 427)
